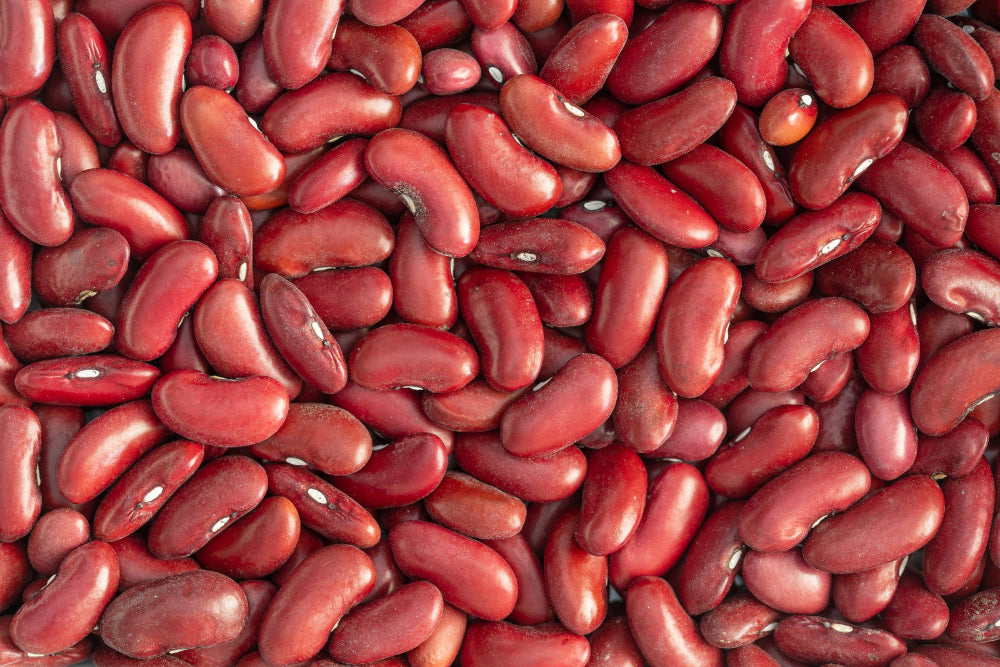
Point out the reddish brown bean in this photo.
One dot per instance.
(387, 56)
(541, 245)
(349, 298)
(506, 642)
(58, 332)
(817, 639)
(666, 635)
(473, 508)
(298, 38)
(784, 581)
(833, 57)
(255, 545)
(95, 379)
(955, 54)
(614, 499)
(402, 473)
(576, 581)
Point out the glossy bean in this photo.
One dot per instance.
(784, 581)
(255, 545)
(888, 357)
(259, 595)
(614, 500)
(532, 606)
(402, 473)
(955, 55)
(91, 261)
(861, 595)
(914, 611)
(739, 620)
(713, 560)
(963, 281)
(93, 379)
(395, 413)
(823, 39)
(879, 276)
(887, 438)
(817, 639)
(541, 245)
(296, 55)
(349, 298)
(473, 508)
(788, 117)
(58, 332)
(324, 437)
(506, 642)
(413, 355)
(54, 536)
(666, 635)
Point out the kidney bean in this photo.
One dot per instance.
(879, 276)
(751, 404)
(96, 379)
(861, 595)
(574, 67)
(138, 565)
(888, 357)
(739, 620)
(650, 134)
(395, 413)
(555, 416)
(320, 436)
(387, 56)
(504, 52)
(916, 506)
(144, 488)
(295, 54)
(808, 491)
(442, 646)
(818, 639)
(843, 326)
(955, 55)
(55, 534)
(974, 618)
(449, 71)
(961, 280)
(698, 431)
(332, 176)
(91, 261)
(712, 283)
(784, 581)
(504, 642)
(15, 573)
(562, 301)
(883, 24)
(413, 355)
(946, 119)
(423, 288)
(887, 438)
(824, 39)
(147, 82)
(830, 378)
(470, 575)
(259, 595)
(972, 173)
(915, 612)
(179, 178)
(541, 245)
(665, 634)
(937, 328)
(532, 606)
(788, 116)
(938, 401)
(612, 643)
(386, 481)
(220, 412)
(613, 502)
(348, 298)
(58, 332)
(212, 62)
(475, 407)
(732, 378)
(575, 579)
(473, 508)
(187, 610)
(902, 71)
(31, 189)
(712, 560)
(954, 454)
(15, 272)
(256, 545)
(646, 410)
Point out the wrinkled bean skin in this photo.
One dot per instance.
(187, 610)
(147, 82)
(298, 38)
(697, 308)
(809, 490)
(144, 488)
(839, 149)
(502, 643)
(578, 399)
(666, 635)
(220, 412)
(69, 606)
(938, 401)
(470, 575)
(846, 542)
(816, 639)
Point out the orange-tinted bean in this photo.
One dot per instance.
(788, 116)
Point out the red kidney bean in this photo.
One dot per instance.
(574, 67)
(505, 642)
(938, 214)
(842, 325)
(836, 418)
(879, 276)
(320, 436)
(348, 298)
(888, 357)
(183, 353)
(27, 46)
(678, 502)
(232, 485)
(659, 208)
(218, 129)
(212, 62)
(883, 24)
(442, 646)
(826, 381)
(861, 595)
(138, 565)
(187, 610)
(504, 52)
(148, 111)
(259, 595)
(91, 261)
(556, 128)
(31, 190)
(952, 382)
(96, 379)
(423, 288)
(902, 71)
(541, 245)
(475, 407)
(15, 572)
(110, 199)
(79, 152)
(887, 438)
(808, 491)
(562, 301)
(713, 284)
(220, 412)
(972, 173)
(296, 54)
(824, 39)
(817, 639)
(788, 116)
(15, 265)
(614, 499)
(496, 166)
(256, 88)
(387, 56)
(732, 378)
(946, 119)
(69, 605)
(256, 545)
(612, 643)
(937, 328)
(664, 632)
(951, 557)
(961, 281)
(915, 612)
(402, 473)
(58, 332)
(712, 561)
(558, 414)
(574, 579)
(393, 624)
(438, 23)
(955, 55)
(539, 479)
(179, 178)
(954, 454)
(841, 148)
(470, 575)
(473, 508)
(650, 134)
(449, 71)
(413, 355)
(739, 620)
(395, 413)
(750, 404)
(753, 458)
(647, 409)
(698, 432)
(974, 618)
(845, 542)
(144, 488)
(784, 581)
(54, 536)
(741, 248)
(532, 607)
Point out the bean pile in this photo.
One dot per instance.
(486, 332)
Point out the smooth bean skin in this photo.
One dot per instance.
(473, 508)
(31, 190)
(961, 281)
(349, 298)
(179, 178)
(578, 399)
(664, 632)
(387, 56)
(533, 606)
(400, 355)
(614, 499)
(817, 639)
(218, 129)
(846, 543)
(187, 610)
(16, 572)
(888, 357)
(167, 285)
(678, 502)
(713, 560)
(784, 581)
(93, 379)
(56, 533)
(27, 46)
(915, 612)
(861, 595)
(498, 168)
(946, 119)
(470, 575)
(879, 276)
(646, 410)
(973, 619)
(220, 412)
(840, 148)
(91, 261)
(780, 514)
(58, 332)
(953, 381)
(422, 286)
(142, 491)
(576, 581)
(69, 606)
(395, 413)
(884, 24)
(476, 407)
(555, 128)
(887, 438)
(442, 646)
(697, 308)
(823, 39)
(403, 473)
(955, 55)
(147, 82)
(840, 325)
(788, 116)
(259, 595)
(298, 38)
(321, 436)
(541, 245)
(578, 70)
(501, 643)
(20, 497)
(651, 134)
(425, 178)
(739, 620)
(255, 545)
(954, 454)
